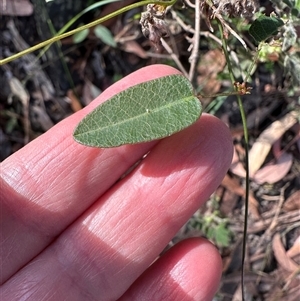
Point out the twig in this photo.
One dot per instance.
(277, 212)
(89, 25)
(158, 55)
(186, 27)
(174, 57)
(196, 41)
(210, 35)
(217, 15)
(190, 4)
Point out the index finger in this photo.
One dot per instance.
(46, 185)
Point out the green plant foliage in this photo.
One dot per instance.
(213, 226)
(222, 235)
(264, 27)
(80, 36)
(145, 112)
(267, 50)
(105, 35)
(217, 230)
(89, 8)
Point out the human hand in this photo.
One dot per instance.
(71, 231)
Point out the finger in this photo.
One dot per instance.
(110, 246)
(52, 180)
(191, 270)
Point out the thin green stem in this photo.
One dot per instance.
(254, 62)
(74, 19)
(218, 94)
(89, 25)
(244, 121)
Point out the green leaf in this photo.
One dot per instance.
(264, 27)
(145, 112)
(80, 36)
(75, 18)
(105, 35)
(222, 235)
(91, 7)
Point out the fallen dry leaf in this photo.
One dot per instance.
(263, 144)
(16, 8)
(234, 186)
(75, 103)
(295, 249)
(18, 90)
(236, 165)
(293, 202)
(134, 47)
(212, 63)
(281, 256)
(272, 173)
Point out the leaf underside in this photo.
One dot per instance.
(145, 112)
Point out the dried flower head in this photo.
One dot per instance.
(238, 8)
(153, 23)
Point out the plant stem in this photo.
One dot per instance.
(254, 62)
(89, 25)
(193, 59)
(244, 122)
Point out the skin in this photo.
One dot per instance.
(71, 230)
